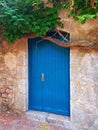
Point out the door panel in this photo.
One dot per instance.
(52, 95)
(35, 70)
(56, 88)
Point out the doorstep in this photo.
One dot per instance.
(52, 119)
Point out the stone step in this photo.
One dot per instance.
(49, 118)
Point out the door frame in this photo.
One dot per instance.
(23, 80)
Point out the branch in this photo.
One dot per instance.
(82, 43)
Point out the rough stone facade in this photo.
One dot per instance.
(83, 78)
(13, 76)
(84, 89)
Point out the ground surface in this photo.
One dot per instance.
(9, 122)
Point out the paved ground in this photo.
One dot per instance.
(9, 122)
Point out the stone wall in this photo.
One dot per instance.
(13, 76)
(84, 89)
(83, 83)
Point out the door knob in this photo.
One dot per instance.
(43, 77)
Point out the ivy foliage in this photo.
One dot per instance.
(79, 9)
(19, 17)
(84, 9)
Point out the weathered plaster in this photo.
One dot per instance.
(87, 31)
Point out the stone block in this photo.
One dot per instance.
(22, 59)
(22, 72)
(95, 125)
(10, 61)
(0, 102)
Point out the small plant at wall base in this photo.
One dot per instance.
(21, 17)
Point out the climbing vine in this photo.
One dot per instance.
(20, 17)
(82, 10)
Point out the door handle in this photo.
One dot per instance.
(43, 77)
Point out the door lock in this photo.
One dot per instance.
(43, 77)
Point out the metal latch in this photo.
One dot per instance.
(43, 77)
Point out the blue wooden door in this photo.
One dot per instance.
(48, 77)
